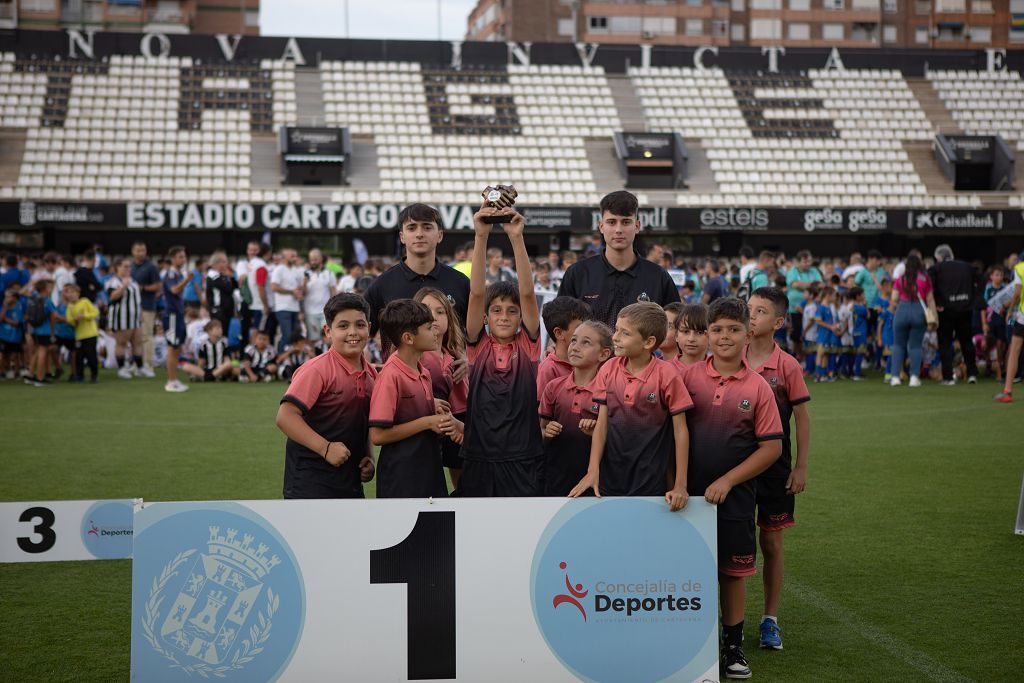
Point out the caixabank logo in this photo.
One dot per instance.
(624, 589)
(222, 593)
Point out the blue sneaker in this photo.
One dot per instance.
(771, 636)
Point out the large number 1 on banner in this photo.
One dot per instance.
(425, 560)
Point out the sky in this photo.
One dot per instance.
(398, 19)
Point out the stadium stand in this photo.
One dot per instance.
(984, 103)
(449, 121)
(187, 128)
(137, 128)
(822, 137)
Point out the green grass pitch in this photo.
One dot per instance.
(903, 566)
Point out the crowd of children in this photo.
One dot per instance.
(689, 400)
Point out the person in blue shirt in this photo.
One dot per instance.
(860, 331)
(14, 274)
(824, 318)
(715, 286)
(884, 331)
(12, 318)
(173, 319)
(65, 333)
(42, 332)
(800, 277)
(195, 289)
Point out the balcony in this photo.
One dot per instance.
(167, 20)
(8, 15)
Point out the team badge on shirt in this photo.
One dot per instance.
(773, 380)
(745, 405)
(652, 397)
(643, 297)
(594, 408)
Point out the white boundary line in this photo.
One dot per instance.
(896, 647)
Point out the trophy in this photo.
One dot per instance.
(499, 197)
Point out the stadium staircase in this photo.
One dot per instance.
(627, 103)
(309, 97)
(12, 150)
(933, 106)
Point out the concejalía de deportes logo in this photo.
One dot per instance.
(614, 606)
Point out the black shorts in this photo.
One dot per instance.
(306, 478)
(796, 327)
(451, 454)
(43, 340)
(997, 328)
(10, 347)
(737, 547)
(508, 478)
(1018, 329)
(775, 507)
(66, 342)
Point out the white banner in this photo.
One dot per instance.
(541, 589)
(66, 530)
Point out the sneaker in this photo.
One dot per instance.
(972, 379)
(1003, 397)
(857, 378)
(915, 381)
(10, 374)
(771, 636)
(125, 373)
(175, 387)
(948, 382)
(895, 381)
(146, 371)
(734, 662)
(887, 377)
(268, 378)
(29, 380)
(243, 378)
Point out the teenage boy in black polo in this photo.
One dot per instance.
(618, 276)
(420, 231)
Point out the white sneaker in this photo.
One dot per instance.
(243, 378)
(915, 381)
(972, 380)
(125, 373)
(895, 381)
(10, 374)
(146, 371)
(175, 387)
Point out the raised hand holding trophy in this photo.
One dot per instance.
(499, 197)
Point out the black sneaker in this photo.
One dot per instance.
(734, 662)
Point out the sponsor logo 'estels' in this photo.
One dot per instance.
(734, 219)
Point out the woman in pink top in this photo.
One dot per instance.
(909, 325)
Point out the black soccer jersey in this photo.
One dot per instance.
(609, 290)
(259, 359)
(124, 313)
(212, 354)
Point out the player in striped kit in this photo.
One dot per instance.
(125, 317)
(214, 361)
(258, 360)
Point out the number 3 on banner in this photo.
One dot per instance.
(425, 561)
(44, 529)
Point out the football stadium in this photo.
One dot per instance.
(513, 347)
